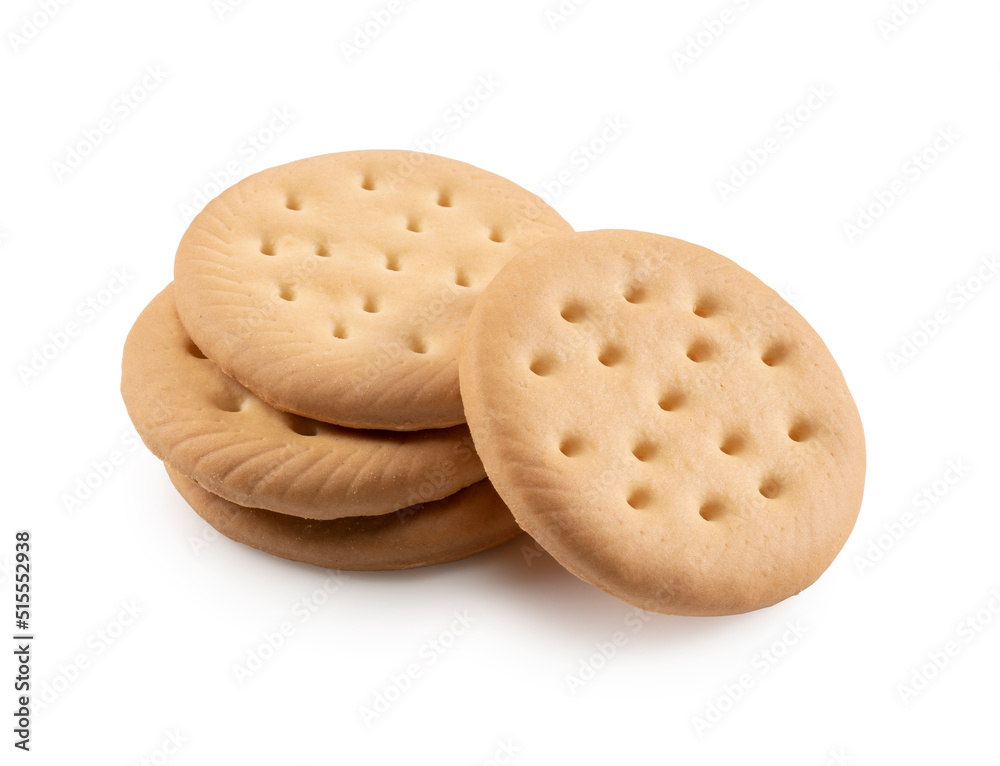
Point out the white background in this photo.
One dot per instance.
(833, 694)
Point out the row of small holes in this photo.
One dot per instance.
(713, 509)
(704, 307)
(700, 350)
(641, 498)
(301, 426)
(391, 262)
(413, 224)
(368, 184)
(572, 446)
(415, 344)
(703, 351)
(611, 355)
(669, 402)
(709, 511)
(370, 306)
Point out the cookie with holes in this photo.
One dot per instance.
(662, 422)
(470, 521)
(207, 426)
(337, 287)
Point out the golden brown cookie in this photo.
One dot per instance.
(337, 287)
(472, 520)
(209, 427)
(662, 422)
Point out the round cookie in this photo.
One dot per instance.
(470, 521)
(190, 414)
(662, 422)
(337, 287)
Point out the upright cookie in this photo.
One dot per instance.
(191, 415)
(662, 422)
(337, 287)
(472, 520)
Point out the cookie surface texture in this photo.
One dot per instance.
(471, 521)
(337, 287)
(212, 429)
(662, 422)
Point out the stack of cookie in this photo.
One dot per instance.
(658, 419)
(299, 378)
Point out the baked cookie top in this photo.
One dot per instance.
(206, 425)
(662, 422)
(337, 287)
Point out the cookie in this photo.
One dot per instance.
(470, 521)
(337, 287)
(662, 422)
(191, 415)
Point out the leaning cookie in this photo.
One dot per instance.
(190, 414)
(469, 522)
(662, 422)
